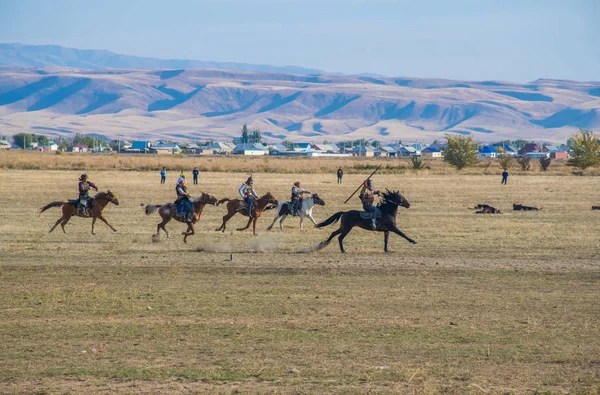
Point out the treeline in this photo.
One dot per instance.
(25, 140)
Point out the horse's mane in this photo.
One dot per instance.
(199, 197)
(100, 194)
(391, 200)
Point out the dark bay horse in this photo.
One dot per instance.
(69, 209)
(386, 224)
(168, 211)
(238, 205)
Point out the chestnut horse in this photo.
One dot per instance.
(168, 211)
(69, 209)
(238, 205)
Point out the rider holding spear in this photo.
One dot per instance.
(367, 197)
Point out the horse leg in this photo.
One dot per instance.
(309, 215)
(63, 223)
(386, 237)
(189, 232)
(93, 223)
(399, 233)
(273, 223)
(226, 218)
(283, 217)
(344, 233)
(301, 220)
(333, 234)
(247, 225)
(162, 226)
(56, 224)
(101, 216)
(254, 225)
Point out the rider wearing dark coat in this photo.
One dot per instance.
(184, 198)
(367, 197)
(84, 188)
(296, 199)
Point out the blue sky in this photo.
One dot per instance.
(514, 40)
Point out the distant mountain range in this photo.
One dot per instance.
(21, 55)
(131, 100)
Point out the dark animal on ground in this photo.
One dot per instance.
(595, 207)
(520, 207)
(488, 210)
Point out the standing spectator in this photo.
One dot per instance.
(195, 172)
(163, 175)
(340, 174)
(504, 177)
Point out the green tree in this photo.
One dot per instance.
(416, 162)
(461, 151)
(255, 136)
(24, 140)
(505, 161)
(524, 162)
(545, 162)
(585, 145)
(245, 134)
(375, 144)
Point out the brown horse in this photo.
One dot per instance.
(238, 205)
(168, 211)
(69, 209)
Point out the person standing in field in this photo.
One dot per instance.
(340, 174)
(504, 177)
(195, 172)
(163, 175)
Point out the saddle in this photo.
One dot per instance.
(366, 215)
(298, 207)
(91, 202)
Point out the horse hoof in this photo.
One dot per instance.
(413, 242)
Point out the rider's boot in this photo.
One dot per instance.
(188, 218)
(373, 225)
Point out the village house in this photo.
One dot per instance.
(47, 147)
(487, 152)
(255, 149)
(220, 148)
(431, 152)
(556, 153)
(165, 149)
(407, 151)
(326, 148)
(363, 150)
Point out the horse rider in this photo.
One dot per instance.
(367, 197)
(296, 200)
(248, 193)
(84, 188)
(184, 198)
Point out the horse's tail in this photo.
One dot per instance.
(223, 201)
(53, 204)
(331, 220)
(152, 208)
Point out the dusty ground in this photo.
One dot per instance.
(494, 304)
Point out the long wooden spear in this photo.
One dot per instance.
(363, 183)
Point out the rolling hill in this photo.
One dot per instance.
(211, 103)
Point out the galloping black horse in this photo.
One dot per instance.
(386, 224)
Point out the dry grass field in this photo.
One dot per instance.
(482, 304)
